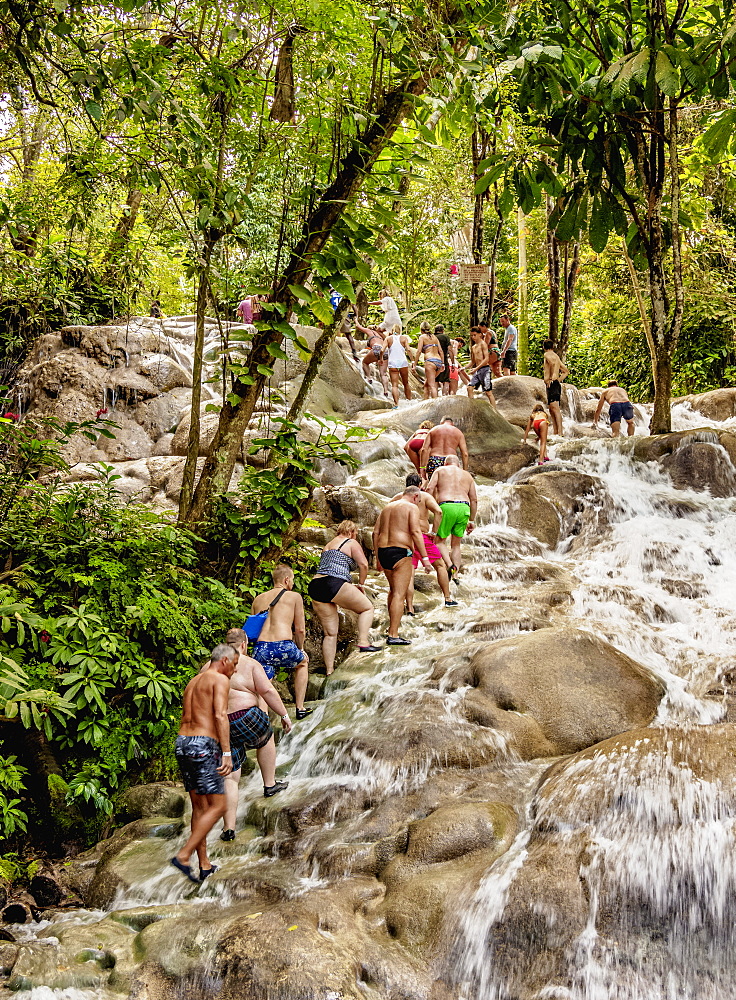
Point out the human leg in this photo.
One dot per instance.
(266, 757)
(383, 375)
(556, 414)
(630, 428)
(412, 455)
(471, 391)
(430, 379)
(615, 428)
(330, 621)
(456, 552)
(543, 430)
(353, 599)
(231, 799)
(404, 374)
(301, 680)
(398, 581)
(394, 376)
(206, 810)
(491, 397)
(442, 578)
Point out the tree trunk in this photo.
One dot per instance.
(493, 282)
(523, 298)
(479, 146)
(553, 277)
(123, 229)
(570, 272)
(661, 422)
(316, 232)
(190, 465)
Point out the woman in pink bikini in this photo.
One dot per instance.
(539, 423)
(414, 445)
(429, 350)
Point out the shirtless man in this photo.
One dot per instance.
(281, 642)
(427, 506)
(619, 405)
(480, 371)
(396, 535)
(555, 372)
(250, 728)
(454, 490)
(203, 755)
(443, 440)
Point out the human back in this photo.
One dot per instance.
(445, 439)
(198, 710)
(242, 685)
(615, 394)
(394, 526)
(453, 483)
(284, 616)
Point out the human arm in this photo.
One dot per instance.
(506, 342)
(357, 553)
(270, 695)
(433, 484)
(363, 329)
(425, 453)
(417, 539)
(473, 497)
(418, 352)
(463, 449)
(564, 371)
(220, 692)
(433, 509)
(527, 429)
(601, 401)
(376, 530)
(300, 626)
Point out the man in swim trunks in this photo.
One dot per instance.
(443, 440)
(396, 535)
(510, 349)
(281, 642)
(480, 372)
(555, 372)
(619, 408)
(427, 506)
(251, 692)
(454, 490)
(204, 756)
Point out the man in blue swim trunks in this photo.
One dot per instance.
(281, 642)
(619, 408)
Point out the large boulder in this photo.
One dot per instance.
(554, 691)
(516, 395)
(161, 798)
(629, 837)
(330, 505)
(130, 440)
(162, 415)
(165, 373)
(552, 504)
(494, 445)
(702, 465)
(718, 404)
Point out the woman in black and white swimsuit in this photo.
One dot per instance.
(331, 588)
(375, 341)
(430, 349)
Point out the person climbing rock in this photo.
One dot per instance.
(429, 352)
(480, 372)
(203, 755)
(454, 490)
(443, 378)
(396, 535)
(555, 372)
(509, 351)
(397, 347)
(281, 640)
(250, 692)
(428, 506)
(619, 408)
(374, 355)
(413, 446)
(331, 588)
(540, 424)
(391, 315)
(443, 440)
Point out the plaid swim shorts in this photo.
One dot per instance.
(249, 730)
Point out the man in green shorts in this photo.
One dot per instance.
(454, 490)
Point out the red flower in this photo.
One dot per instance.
(45, 637)
(11, 416)
(100, 412)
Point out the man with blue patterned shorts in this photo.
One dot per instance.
(281, 642)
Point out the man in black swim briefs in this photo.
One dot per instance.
(396, 536)
(203, 754)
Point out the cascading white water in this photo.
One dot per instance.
(657, 582)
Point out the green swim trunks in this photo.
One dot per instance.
(455, 517)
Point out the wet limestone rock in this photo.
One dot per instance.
(620, 832)
(553, 504)
(161, 416)
(554, 691)
(165, 373)
(330, 505)
(702, 466)
(130, 441)
(494, 445)
(516, 395)
(718, 404)
(157, 799)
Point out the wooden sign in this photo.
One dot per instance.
(475, 274)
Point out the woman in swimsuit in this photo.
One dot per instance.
(374, 355)
(413, 446)
(453, 377)
(540, 424)
(429, 347)
(331, 589)
(395, 355)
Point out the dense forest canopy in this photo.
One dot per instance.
(179, 155)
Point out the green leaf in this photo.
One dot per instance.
(600, 224)
(93, 110)
(666, 75)
(277, 352)
(265, 371)
(301, 292)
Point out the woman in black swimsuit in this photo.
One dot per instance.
(331, 589)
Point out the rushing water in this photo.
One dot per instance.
(657, 579)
